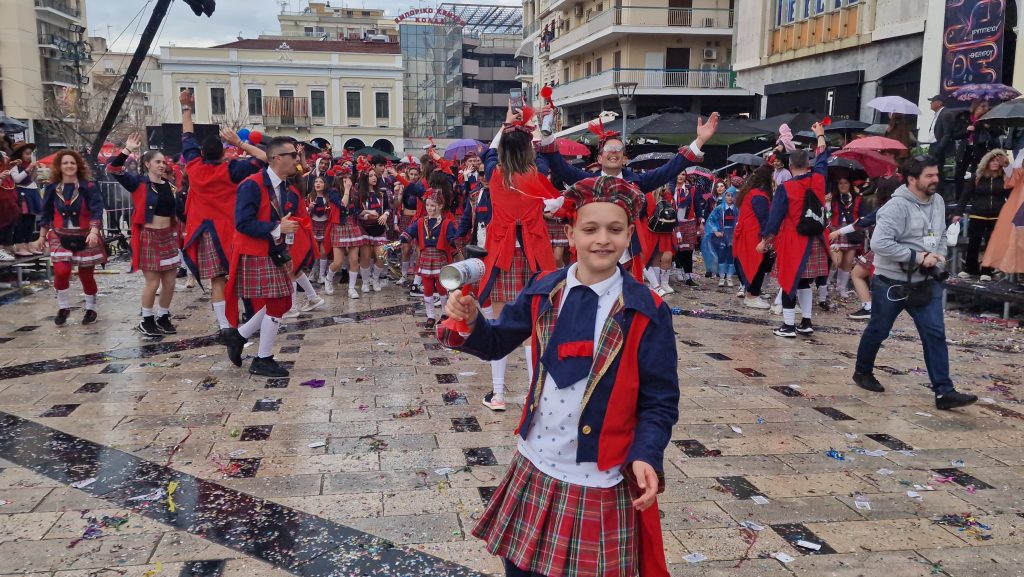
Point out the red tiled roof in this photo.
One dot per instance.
(316, 45)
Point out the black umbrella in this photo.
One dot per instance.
(650, 160)
(8, 124)
(847, 167)
(1007, 114)
(746, 159)
(846, 126)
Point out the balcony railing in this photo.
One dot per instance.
(527, 30)
(290, 111)
(648, 78)
(62, 7)
(645, 17)
(58, 76)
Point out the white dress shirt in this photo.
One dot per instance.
(275, 183)
(551, 443)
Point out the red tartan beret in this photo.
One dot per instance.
(607, 189)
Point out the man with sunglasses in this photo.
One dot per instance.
(909, 242)
(260, 264)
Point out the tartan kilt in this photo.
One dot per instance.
(258, 278)
(556, 231)
(158, 250)
(375, 240)
(404, 222)
(867, 260)
(686, 235)
(347, 235)
(559, 529)
(211, 265)
(432, 260)
(87, 257)
(320, 229)
(509, 283)
(843, 243)
(817, 261)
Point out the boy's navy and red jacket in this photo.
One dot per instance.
(210, 205)
(632, 399)
(144, 198)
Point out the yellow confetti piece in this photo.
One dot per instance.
(171, 488)
(159, 565)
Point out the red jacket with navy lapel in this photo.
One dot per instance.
(255, 219)
(634, 372)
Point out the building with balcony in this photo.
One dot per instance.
(146, 103)
(459, 68)
(678, 52)
(319, 20)
(349, 92)
(44, 61)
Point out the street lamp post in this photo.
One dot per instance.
(625, 90)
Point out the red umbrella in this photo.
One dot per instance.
(875, 143)
(571, 148)
(874, 163)
(46, 160)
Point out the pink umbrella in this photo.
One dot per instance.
(875, 143)
(571, 148)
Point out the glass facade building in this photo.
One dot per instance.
(433, 99)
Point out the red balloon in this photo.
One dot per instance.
(827, 121)
(545, 93)
(255, 138)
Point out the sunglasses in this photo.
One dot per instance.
(293, 155)
(613, 148)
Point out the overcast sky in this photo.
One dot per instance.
(247, 18)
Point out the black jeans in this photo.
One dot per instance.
(754, 288)
(684, 260)
(25, 229)
(978, 232)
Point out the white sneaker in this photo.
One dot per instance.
(728, 281)
(353, 293)
(963, 274)
(985, 278)
(775, 309)
(291, 314)
(377, 285)
(668, 289)
(312, 305)
(741, 293)
(366, 286)
(756, 303)
(6, 256)
(494, 402)
(659, 291)
(328, 287)
(721, 281)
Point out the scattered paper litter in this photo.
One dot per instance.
(907, 453)
(923, 488)
(759, 499)
(444, 471)
(316, 444)
(84, 483)
(851, 436)
(752, 525)
(884, 472)
(861, 502)
(783, 557)
(914, 495)
(695, 558)
(876, 453)
(808, 545)
(923, 414)
(736, 429)
(988, 400)
(957, 462)
(467, 374)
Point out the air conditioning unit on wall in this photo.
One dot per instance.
(710, 54)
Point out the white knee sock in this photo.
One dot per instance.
(417, 280)
(652, 277)
(252, 326)
(146, 312)
(329, 278)
(161, 311)
(365, 272)
(443, 302)
(665, 276)
(64, 299)
(324, 263)
(222, 317)
(822, 293)
(428, 302)
(831, 276)
(528, 352)
(295, 294)
(405, 268)
(353, 276)
(789, 316)
(842, 280)
(804, 297)
(498, 376)
(90, 302)
(376, 272)
(778, 298)
(303, 281)
(268, 334)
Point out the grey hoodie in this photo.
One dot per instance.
(902, 231)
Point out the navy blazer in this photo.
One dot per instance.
(646, 182)
(247, 207)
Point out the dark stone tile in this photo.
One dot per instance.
(892, 370)
(793, 532)
(277, 383)
(246, 468)
(26, 329)
(481, 456)
(59, 411)
(750, 372)
(962, 478)
(453, 397)
(287, 364)
(203, 568)
(9, 339)
(694, 344)
(466, 425)
(738, 487)
(486, 493)
(432, 346)
(694, 448)
(847, 354)
(91, 388)
(834, 414)
(297, 337)
(446, 379)
(266, 406)
(888, 441)
(786, 390)
(719, 356)
(256, 433)
(114, 368)
(289, 349)
(439, 362)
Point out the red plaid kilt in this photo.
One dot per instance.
(558, 529)
(556, 230)
(687, 231)
(662, 242)
(431, 261)
(159, 249)
(867, 260)
(211, 265)
(258, 278)
(843, 243)
(509, 283)
(817, 262)
(87, 257)
(347, 235)
(320, 229)
(375, 240)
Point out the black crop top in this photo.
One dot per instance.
(165, 205)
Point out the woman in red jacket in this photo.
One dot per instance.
(658, 246)
(755, 201)
(154, 232)
(71, 206)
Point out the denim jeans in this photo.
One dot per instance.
(930, 326)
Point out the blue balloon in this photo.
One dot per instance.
(244, 134)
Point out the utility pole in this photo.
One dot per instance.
(129, 77)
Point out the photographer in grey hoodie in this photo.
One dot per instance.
(909, 240)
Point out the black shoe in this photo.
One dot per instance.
(860, 314)
(788, 331)
(149, 327)
(164, 322)
(431, 323)
(805, 328)
(690, 282)
(62, 317)
(709, 274)
(416, 290)
(234, 343)
(182, 273)
(90, 317)
(868, 382)
(267, 367)
(954, 400)
(823, 305)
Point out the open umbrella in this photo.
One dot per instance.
(458, 149)
(846, 126)
(568, 147)
(8, 124)
(1007, 114)
(651, 160)
(701, 178)
(891, 104)
(989, 92)
(847, 167)
(796, 121)
(746, 159)
(371, 151)
(874, 163)
(875, 143)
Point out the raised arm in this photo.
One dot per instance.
(116, 167)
